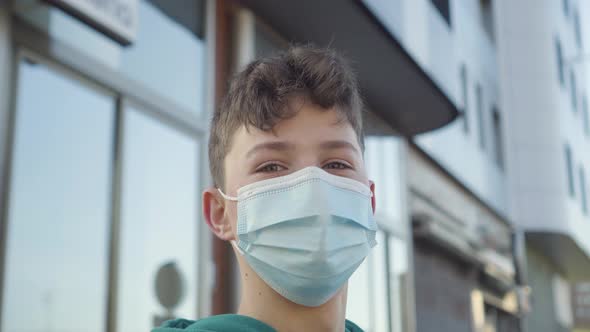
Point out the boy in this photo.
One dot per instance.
(291, 193)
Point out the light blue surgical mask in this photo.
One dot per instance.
(305, 233)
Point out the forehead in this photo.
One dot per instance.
(310, 125)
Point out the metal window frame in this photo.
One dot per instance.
(497, 130)
(481, 114)
(28, 42)
(6, 142)
(560, 62)
(23, 54)
(404, 234)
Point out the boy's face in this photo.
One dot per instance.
(313, 137)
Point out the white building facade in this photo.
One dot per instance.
(545, 90)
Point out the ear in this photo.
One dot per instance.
(215, 216)
(372, 186)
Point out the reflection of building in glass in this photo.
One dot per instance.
(105, 146)
(581, 305)
(169, 289)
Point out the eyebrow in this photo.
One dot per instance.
(276, 146)
(338, 144)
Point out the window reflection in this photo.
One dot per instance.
(377, 290)
(359, 297)
(398, 272)
(377, 293)
(167, 56)
(158, 225)
(56, 269)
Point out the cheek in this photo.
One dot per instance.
(361, 176)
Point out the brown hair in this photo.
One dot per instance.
(259, 96)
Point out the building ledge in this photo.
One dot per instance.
(393, 84)
(563, 251)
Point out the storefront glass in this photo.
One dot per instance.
(378, 291)
(167, 57)
(58, 224)
(159, 232)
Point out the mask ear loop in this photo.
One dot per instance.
(234, 243)
(229, 198)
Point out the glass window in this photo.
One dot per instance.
(377, 290)
(465, 97)
(480, 116)
(585, 116)
(167, 56)
(58, 222)
(159, 233)
(379, 268)
(487, 16)
(559, 55)
(383, 159)
(573, 91)
(570, 170)
(398, 287)
(498, 139)
(443, 8)
(577, 29)
(583, 190)
(360, 295)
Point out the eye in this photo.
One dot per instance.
(270, 168)
(337, 165)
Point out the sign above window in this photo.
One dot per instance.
(116, 19)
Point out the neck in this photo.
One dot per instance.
(263, 303)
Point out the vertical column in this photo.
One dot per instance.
(6, 92)
(223, 286)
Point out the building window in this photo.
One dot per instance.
(378, 298)
(559, 54)
(480, 116)
(168, 51)
(583, 191)
(577, 29)
(465, 96)
(60, 205)
(159, 234)
(498, 139)
(569, 170)
(443, 8)
(573, 91)
(585, 116)
(487, 15)
(377, 291)
(562, 303)
(566, 7)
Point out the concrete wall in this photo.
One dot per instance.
(541, 272)
(440, 50)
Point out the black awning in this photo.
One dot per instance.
(393, 84)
